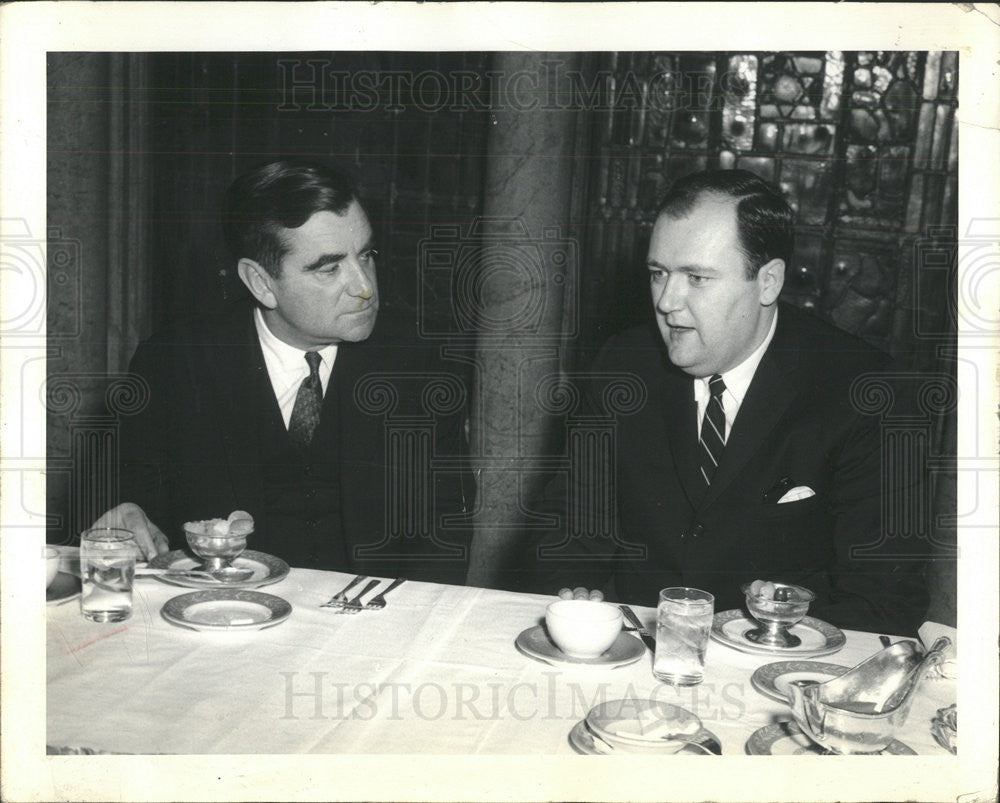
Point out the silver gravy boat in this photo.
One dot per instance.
(862, 710)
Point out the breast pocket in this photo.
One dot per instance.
(797, 534)
(791, 510)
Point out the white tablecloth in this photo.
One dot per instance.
(435, 672)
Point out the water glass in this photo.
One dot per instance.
(107, 568)
(683, 624)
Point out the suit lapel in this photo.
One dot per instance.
(770, 393)
(241, 403)
(681, 424)
(357, 435)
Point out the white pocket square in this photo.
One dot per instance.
(797, 493)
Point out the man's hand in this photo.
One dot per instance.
(129, 516)
(581, 593)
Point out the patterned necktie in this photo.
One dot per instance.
(713, 430)
(308, 403)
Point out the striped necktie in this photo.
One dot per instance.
(713, 430)
(308, 403)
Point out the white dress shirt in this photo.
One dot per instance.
(737, 381)
(287, 366)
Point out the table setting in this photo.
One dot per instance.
(249, 655)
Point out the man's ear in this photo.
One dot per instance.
(770, 280)
(258, 282)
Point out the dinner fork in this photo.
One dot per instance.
(354, 605)
(378, 603)
(341, 598)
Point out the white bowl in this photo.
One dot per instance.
(582, 628)
(51, 564)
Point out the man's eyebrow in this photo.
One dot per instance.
(652, 263)
(328, 259)
(320, 261)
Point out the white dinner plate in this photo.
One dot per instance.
(535, 643)
(818, 638)
(64, 588)
(226, 609)
(773, 680)
(787, 739)
(582, 740)
(267, 569)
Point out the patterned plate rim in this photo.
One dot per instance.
(554, 660)
(764, 676)
(277, 570)
(173, 609)
(835, 638)
(762, 739)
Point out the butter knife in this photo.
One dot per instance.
(633, 620)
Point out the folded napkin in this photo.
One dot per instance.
(930, 632)
(944, 727)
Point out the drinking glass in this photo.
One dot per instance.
(107, 568)
(683, 624)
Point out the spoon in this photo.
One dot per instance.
(227, 574)
(232, 574)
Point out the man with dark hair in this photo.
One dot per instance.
(750, 458)
(265, 410)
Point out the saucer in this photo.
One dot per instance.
(226, 609)
(267, 569)
(773, 680)
(582, 740)
(535, 643)
(818, 638)
(64, 588)
(787, 739)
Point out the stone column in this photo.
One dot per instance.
(527, 270)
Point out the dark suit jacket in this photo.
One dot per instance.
(797, 421)
(194, 452)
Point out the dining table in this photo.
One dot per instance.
(436, 671)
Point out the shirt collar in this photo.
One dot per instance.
(738, 379)
(290, 358)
